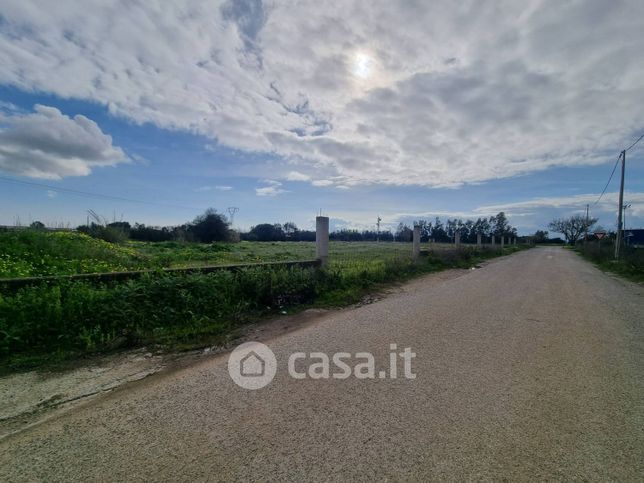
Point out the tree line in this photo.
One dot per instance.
(212, 226)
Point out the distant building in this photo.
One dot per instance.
(634, 238)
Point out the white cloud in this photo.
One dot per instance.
(273, 188)
(322, 182)
(49, 144)
(52, 194)
(297, 176)
(454, 94)
(527, 216)
(607, 204)
(140, 159)
(217, 188)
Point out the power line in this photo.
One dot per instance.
(609, 179)
(231, 211)
(615, 167)
(632, 145)
(95, 195)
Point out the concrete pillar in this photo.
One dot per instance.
(416, 243)
(479, 242)
(502, 242)
(322, 239)
(457, 238)
(492, 240)
(514, 241)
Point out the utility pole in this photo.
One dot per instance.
(618, 238)
(586, 239)
(231, 211)
(378, 230)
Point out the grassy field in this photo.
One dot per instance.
(28, 253)
(57, 320)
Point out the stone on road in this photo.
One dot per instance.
(529, 368)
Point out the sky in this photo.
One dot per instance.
(152, 112)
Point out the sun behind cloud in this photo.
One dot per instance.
(363, 65)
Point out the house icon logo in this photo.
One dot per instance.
(252, 365)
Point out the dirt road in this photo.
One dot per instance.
(530, 367)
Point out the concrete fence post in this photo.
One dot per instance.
(492, 240)
(457, 238)
(479, 241)
(502, 242)
(322, 239)
(416, 243)
(514, 241)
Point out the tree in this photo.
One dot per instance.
(438, 231)
(500, 225)
(290, 230)
(37, 225)
(124, 226)
(571, 228)
(404, 233)
(540, 236)
(209, 227)
(267, 232)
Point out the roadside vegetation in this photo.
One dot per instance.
(581, 233)
(630, 264)
(58, 320)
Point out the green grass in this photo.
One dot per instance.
(177, 254)
(630, 265)
(58, 320)
(29, 253)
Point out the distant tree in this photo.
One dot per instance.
(124, 226)
(290, 230)
(305, 235)
(482, 226)
(346, 234)
(439, 234)
(154, 234)
(37, 225)
(425, 229)
(404, 233)
(209, 227)
(467, 232)
(500, 225)
(267, 232)
(540, 236)
(571, 228)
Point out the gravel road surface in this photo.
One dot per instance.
(528, 368)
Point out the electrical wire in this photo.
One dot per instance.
(632, 145)
(609, 179)
(615, 167)
(96, 195)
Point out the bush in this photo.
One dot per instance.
(112, 234)
(76, 315)
(210, 227)
(630, 264)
